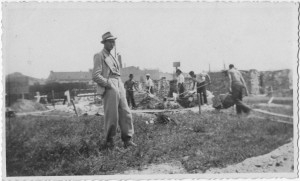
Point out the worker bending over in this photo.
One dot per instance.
(236, 86)
(201, 83)
(149, 84)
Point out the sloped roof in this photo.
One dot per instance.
(18, 75)
(70, 76)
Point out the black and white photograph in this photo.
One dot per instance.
(149, 90)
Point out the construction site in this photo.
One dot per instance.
(271, 99)
(169, 90)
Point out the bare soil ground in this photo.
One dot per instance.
(277, 161)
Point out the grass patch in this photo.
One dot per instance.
(41, 146)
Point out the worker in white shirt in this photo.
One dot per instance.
(149, 84)
(180, 82)
(201, 83)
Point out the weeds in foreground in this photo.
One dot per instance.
(44, 146)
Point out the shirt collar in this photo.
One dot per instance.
(106, 53)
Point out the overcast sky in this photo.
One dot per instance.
(40, 37)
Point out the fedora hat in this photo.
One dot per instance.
(107, 36)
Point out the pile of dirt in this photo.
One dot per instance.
(222, 101)
(138, 97)
(23, 105)
(190, 99)
(155, 103)
(168, 105)
(148, 103)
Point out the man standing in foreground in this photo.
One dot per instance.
(129, 84)
(106, 74)
(180, 82)
(236, 86)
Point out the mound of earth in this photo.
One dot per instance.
(23, 105)
(154, 103)
(148, 103)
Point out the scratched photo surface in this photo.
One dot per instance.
(150, 90)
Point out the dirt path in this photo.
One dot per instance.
(165, 168)
(279, 160)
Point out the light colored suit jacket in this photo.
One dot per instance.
(104, 66)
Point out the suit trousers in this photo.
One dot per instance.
(117, 112)
(237, 95)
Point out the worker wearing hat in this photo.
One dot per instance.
(130, 85)
(106, 74)
(180, 82)
(149, 84)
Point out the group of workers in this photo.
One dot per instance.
(131, 86)
(200, 82)
(116, 101)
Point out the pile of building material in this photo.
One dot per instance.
(155, 103)
(168, 105)
(189, 99)
(23, 105)
(148, 103)
(278, 80)
(138, 97)
(222, 101)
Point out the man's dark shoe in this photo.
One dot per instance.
(247, 114)
(129, 144)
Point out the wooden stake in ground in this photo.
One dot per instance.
(199, 103)
(273, 114)
(74, 108)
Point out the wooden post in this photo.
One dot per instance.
(199, 103)
(74, 108)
